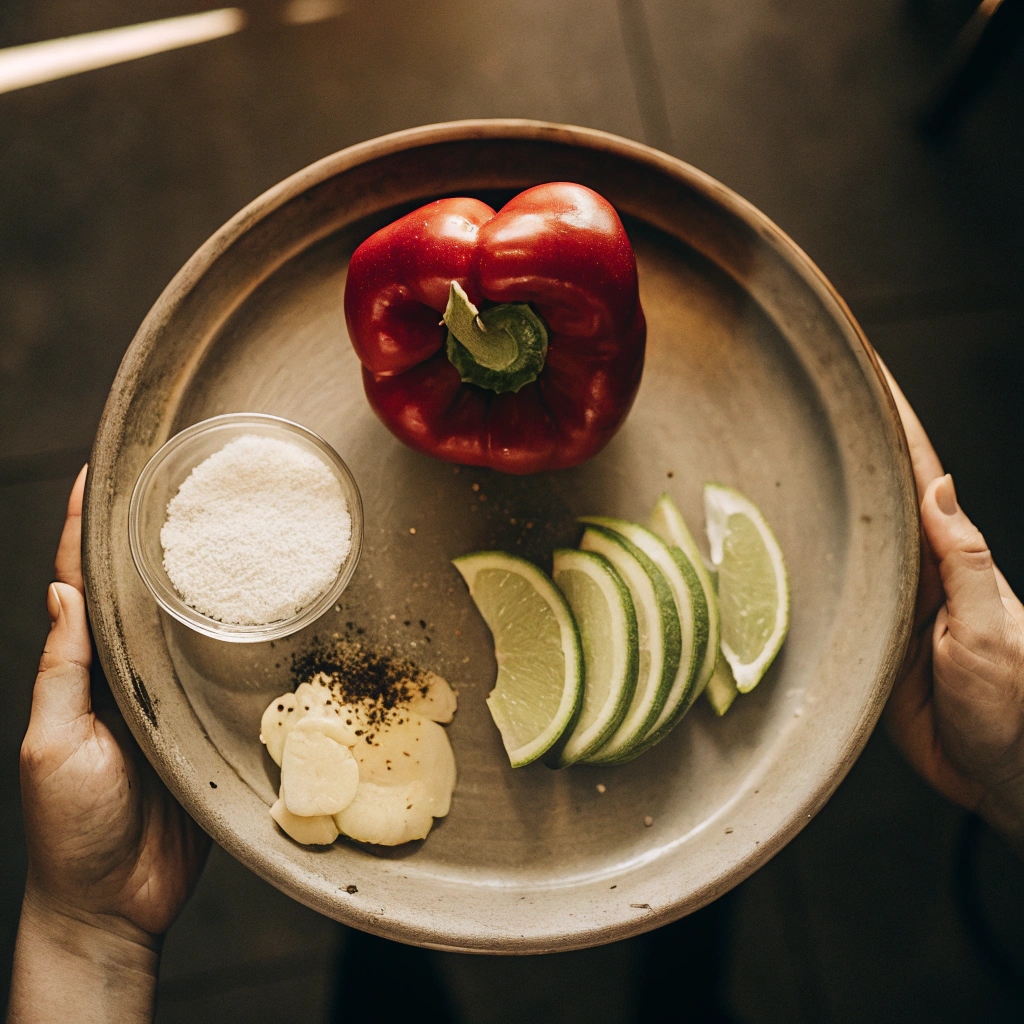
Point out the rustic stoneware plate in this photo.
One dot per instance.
(757, 376)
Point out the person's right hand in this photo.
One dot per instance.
(112, 856)
(957, 710)
(105, 837)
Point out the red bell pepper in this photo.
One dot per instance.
(540, 351)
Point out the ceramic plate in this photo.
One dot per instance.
(756, 376)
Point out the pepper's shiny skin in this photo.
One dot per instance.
(560, 247)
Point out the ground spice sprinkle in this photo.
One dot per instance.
(383, 685)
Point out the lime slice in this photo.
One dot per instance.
(753, 590)
(721, 689)
(658, 634)
(603, 610)
(668, 523)
(539, 688)
(692, 609)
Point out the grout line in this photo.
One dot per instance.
(52, 465)
(35, 63)
(643, 68)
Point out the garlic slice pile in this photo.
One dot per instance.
(341, 772)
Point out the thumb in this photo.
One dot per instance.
(61, 693)
(965, 563)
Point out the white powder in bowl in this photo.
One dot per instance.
(257, 532)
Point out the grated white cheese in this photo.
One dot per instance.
(256, 532)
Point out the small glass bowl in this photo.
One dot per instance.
(167, 470)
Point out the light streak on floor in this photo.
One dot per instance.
(34, 63)
(307, 12)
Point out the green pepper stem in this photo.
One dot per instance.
(501, 349)
(495, 350)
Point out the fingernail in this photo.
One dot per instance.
(945, 496)
(53, 605)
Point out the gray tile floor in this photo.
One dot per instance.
(108, 182)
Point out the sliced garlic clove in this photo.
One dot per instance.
(278, 720)
(438, 703)
(439, 760)
(318, 830)
(411, 749)
(339, 721)
(321, 688)
(386, 791)
(283, 714)
(392, 759)
(387, 815)
(319, 775)
(305, 698)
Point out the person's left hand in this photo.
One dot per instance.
(107, 843)
(957, 708)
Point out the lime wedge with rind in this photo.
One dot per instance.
(721, 689)
(668, 523)
(753, 587)
(692, 609)
(539, 689)
(658, 634)
(604, 614)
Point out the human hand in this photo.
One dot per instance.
(112, 857)
(957, 709)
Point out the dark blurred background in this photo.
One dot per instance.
(891, 905)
